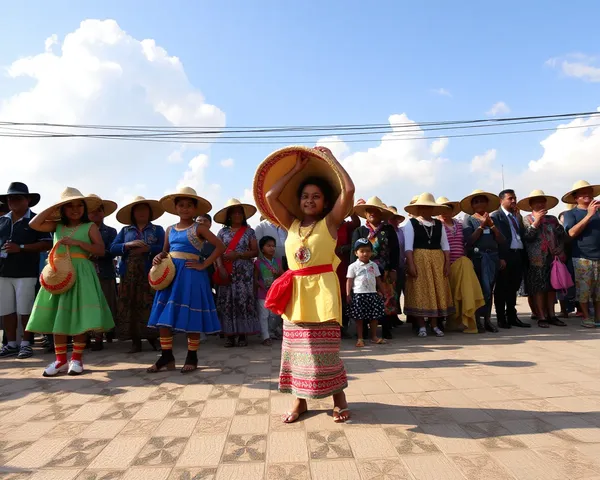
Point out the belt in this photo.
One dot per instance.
(82, 256)
(184, 256)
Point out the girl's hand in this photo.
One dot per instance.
(348, 299)
(412, 271)
(159, 258)
(301, 162)
(195, 265)
(68, 241)
(230, 257)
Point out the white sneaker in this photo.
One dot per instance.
(53, 369)
(422, 332)
(75, 367)
(438, 332)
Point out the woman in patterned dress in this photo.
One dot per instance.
(236, 304)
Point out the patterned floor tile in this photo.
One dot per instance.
(187, 408)
(121, 411)
(290, 471)
(161, 451)
(410, 441)
(251, 406)
(194, 474)
(245, 448)
(212, 425)
(225, 391)
(480, 467)
(328, 444)
(383, 469)
(101, 475)
(79, 453)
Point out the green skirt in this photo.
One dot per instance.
(82, 309)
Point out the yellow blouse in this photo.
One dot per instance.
(316, 298)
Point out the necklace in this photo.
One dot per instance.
(428, 230)
(303, 253)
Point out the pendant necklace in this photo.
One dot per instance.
(303, 253)
(428, 232)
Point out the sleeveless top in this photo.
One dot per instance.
(422, 241)
(185, 241)
(81, 233)
(316, 298)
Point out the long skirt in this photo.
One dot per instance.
(135, 302)
(467, 296)
(429, 294)
(109, 288)
(311, 366)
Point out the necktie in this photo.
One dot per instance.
(514, 222)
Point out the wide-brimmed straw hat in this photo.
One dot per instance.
(455, 206)
(221, 215)
(373, 203)
(124, 215)
(493, 202)
(69, 195)
(321, 163)
(523, 204)
(109, 206)
(426, 199)
(569, 197)
(395, 213)
(413, 199)
(168, 201)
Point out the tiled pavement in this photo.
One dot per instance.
(521, 404)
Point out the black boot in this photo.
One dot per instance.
(136, 345)
(489, 326)
(480, 327)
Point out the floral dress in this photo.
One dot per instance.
(236, 305)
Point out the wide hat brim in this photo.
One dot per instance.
(455, 206)
(523, 204)
(281, 162)
(567, 197)
(53, 212)
(437, 209)
(34, 198)
(221, 215)
(493, 202)
(168, 203)
(124, 215)
(361, 211)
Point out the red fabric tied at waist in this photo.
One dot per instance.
(281, 290)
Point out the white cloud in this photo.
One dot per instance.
(482, 163)
(439, 145)
(227, 163)
(498, 108)
(336, 145)
(577, 65)
(99, 74)
(442, 92)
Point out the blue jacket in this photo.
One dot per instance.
(152, 235)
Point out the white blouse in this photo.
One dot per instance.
(409, 235)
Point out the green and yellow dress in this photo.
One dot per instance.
(81, 309)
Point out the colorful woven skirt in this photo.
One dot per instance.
(311, 366)
(429, 294)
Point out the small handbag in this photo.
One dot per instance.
(161, 275)
(59, 275)
(560, 278)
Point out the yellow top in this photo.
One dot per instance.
(316, 298)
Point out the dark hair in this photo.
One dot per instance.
(325, 188)
(506, 192)
(132, 219)
(206, 216)
(264, 240)
(84, 218)
(193, 200)
(228, 217)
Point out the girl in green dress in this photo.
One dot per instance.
(83, 308)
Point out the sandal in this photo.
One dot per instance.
(191, 362)
(543, 324)
(341, 415)
(588, 323)
(230, 342)
(292, 417)
(360, 343)
(379, 341)
(164, 362)
(556, 321)
(268, 342)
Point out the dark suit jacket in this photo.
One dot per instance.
(503, 224)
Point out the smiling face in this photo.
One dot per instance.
(312, 201)
(538, 203)
(74, 211)
(480, 204)
(185, 208)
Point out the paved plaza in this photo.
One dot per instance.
(521, 404)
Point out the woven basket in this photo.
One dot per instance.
(59, 275)
(161, 275)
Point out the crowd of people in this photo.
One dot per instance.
(308, 271)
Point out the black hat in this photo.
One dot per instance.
(18, 188)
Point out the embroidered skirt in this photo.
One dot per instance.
(311, 366)
(429, 294)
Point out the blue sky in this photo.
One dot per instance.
(284, 63)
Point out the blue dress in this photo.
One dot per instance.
(187, 305)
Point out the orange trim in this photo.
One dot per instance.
(160, 279)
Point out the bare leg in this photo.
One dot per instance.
(341, 413)
(373, 324)
(359, 333)
(10, 327)
(27, 336)
(299, 407)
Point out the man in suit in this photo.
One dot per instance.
(512, 260)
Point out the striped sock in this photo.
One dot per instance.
(78, 349)
(166, 343)
(61, 353)
(193, 344)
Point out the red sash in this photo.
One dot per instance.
(217, 280)
(281, 290)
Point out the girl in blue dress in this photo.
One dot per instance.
(187, 305)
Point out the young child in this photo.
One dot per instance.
(266, 270)
(363, 285)
(187, 305)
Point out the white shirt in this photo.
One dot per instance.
(267, 229)
(364, 275)
(516, 243)
(409, 235)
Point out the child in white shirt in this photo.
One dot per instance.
(363, 284)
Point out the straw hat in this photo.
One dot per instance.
(221, 215)
(69, 195)
(110, 207)
(161, 276)
(124, 215)
(569, 196)
(168, 201)
(426, 199)
(321, 163)
(414, 199)
(551, 202)
(373, 203)
(493, 202)
(395, 213)
(455, 206)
